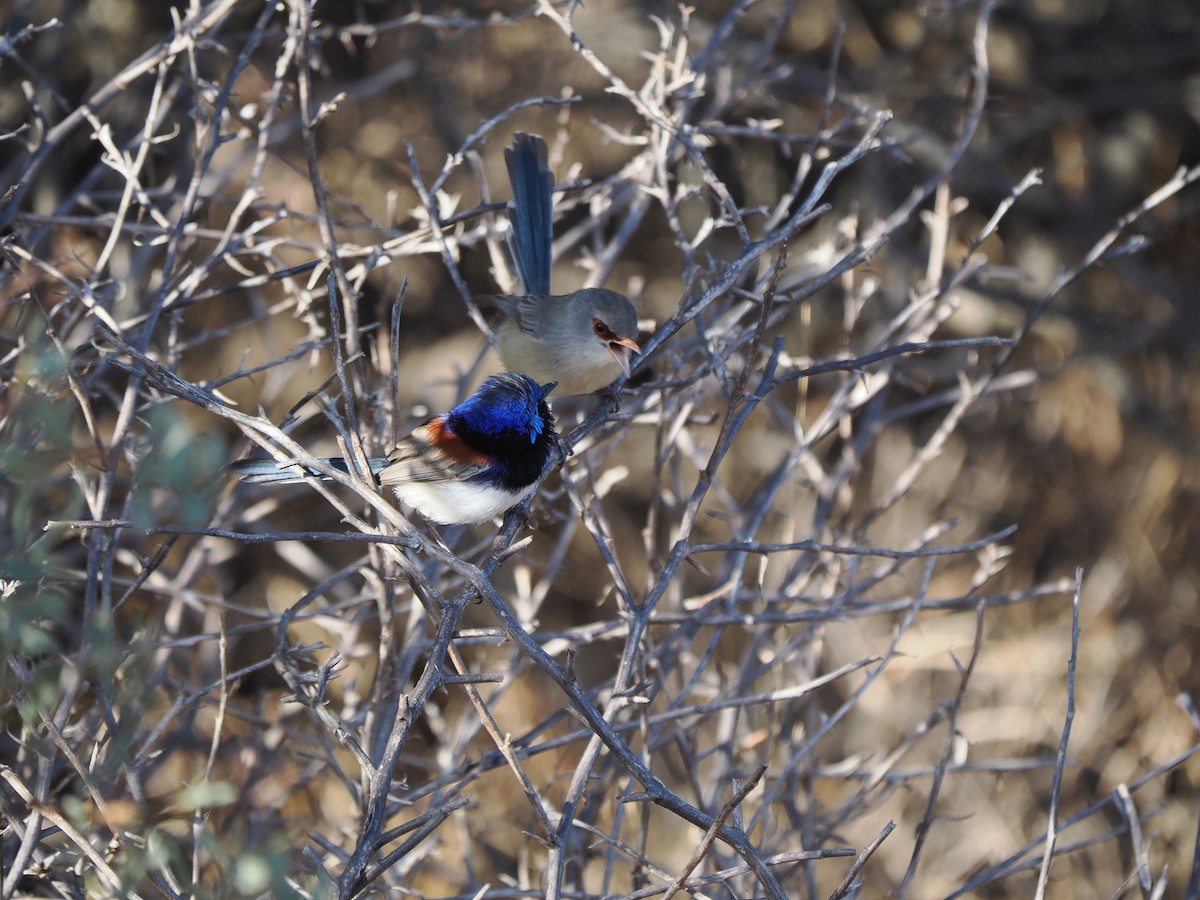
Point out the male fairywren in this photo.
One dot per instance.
(469, 465)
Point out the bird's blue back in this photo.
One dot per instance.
(507, 405)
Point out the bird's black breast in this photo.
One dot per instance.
(517, 460)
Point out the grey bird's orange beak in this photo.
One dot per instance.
(621, 349)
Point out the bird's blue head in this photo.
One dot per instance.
(506, 407)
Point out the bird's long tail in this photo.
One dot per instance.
(531, 210)
(267, 471)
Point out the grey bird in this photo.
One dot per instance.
(582, 340)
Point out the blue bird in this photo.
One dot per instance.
(469, 465)
(582, 340)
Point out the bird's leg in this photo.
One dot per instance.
(523, 514)
(516, 519)
(610, 400)
(564, 450)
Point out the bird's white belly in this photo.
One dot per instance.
(458, 502)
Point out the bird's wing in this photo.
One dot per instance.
(531, 210)
(432, 453)
(526, 312)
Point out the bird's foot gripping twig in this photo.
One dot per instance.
(610, 400)
(564, 450)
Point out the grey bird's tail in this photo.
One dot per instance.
(267, 471)
(531, 211)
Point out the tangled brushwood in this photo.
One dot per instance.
(872, 577)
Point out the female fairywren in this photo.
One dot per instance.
(582, 340)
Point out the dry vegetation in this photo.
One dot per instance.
(801, 619)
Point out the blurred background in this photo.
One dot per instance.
(1092, 453)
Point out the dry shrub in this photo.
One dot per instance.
(812, 582)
